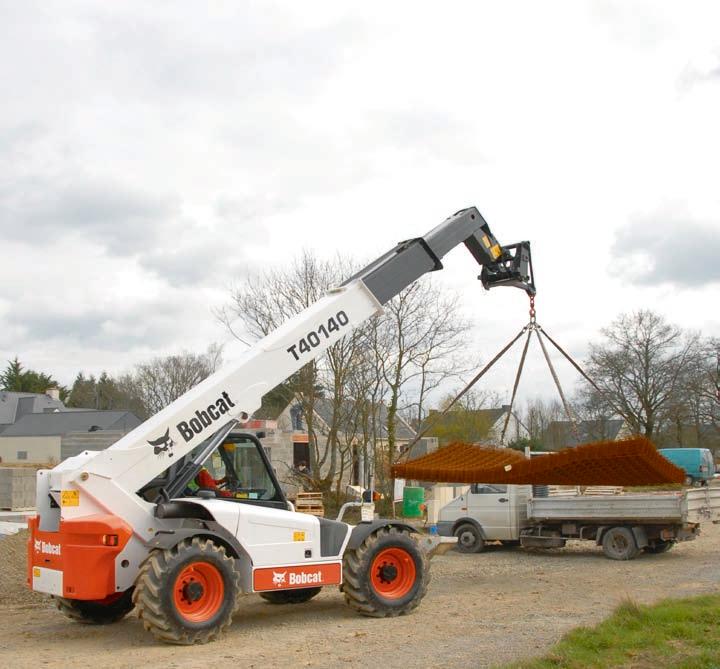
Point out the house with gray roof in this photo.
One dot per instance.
(477, 426)
(48, 438)
(13, 406)
(560, 434)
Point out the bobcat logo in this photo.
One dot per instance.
(163, 444)
(279, 578)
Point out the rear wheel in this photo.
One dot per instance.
(298, 596)
(689, 480)
(186, 595)
(470, 539)
(99, 611)
(659, 546)
(619, 544)
(387, 575)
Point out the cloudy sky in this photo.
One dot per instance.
(151, 153)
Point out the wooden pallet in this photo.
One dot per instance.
(310, 502)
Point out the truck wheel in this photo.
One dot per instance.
(99, 611)
(469, 539)
(619, 544)
(297, 596)
(689, 480)
(186, 594)
(387, 575)
(659, 546)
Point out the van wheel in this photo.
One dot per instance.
(619, 544)
(469, 539)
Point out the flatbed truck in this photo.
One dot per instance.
(625, 525)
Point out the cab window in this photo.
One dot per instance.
(236, 470)
(487, 489)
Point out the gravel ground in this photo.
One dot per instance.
(481, 610)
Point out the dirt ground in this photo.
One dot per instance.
(481, 610)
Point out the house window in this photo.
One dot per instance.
(301, 455)
(296, 418)
(22, 455)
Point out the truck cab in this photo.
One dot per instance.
(486, 512)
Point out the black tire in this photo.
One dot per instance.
(96, 612)
(689, 480)
(619, 544)
(298, 596)
(362, 587)
(659, 546)
(470, 539)
(158, 591)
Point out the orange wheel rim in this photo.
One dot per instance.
(199, 592)
(392, 574)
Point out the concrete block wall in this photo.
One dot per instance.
(17, 487)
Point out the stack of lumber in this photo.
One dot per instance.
(310, 502)
(603, 490)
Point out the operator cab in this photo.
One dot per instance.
(237, 470)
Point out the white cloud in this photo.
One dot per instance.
(150, 153)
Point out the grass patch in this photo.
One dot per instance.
(679, 633)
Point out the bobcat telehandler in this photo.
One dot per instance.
(129, 527)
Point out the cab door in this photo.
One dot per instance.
(489, 504)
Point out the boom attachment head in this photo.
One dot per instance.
(513, 268)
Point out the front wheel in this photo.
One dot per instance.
(298, 596)
(387, 575)
(97, 612)
(470, 539)
(187, 594)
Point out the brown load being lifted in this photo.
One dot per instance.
(633, 461)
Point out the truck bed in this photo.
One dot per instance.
(688, 506)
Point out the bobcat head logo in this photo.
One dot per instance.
(163, 444)
(279, 578)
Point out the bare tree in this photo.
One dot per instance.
(157, 383)
(641, 368)
(418, 341)
(398, 357)
(262, 303)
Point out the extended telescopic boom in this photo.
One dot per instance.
(110, 478)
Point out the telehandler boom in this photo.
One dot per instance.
(146, 523)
